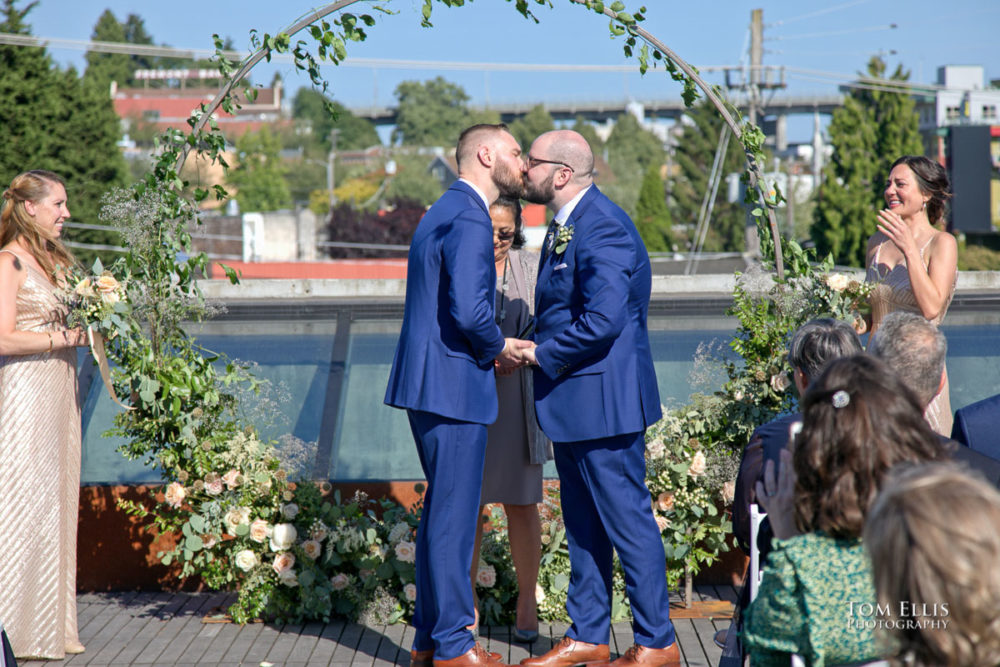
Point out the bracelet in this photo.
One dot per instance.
(50, 341)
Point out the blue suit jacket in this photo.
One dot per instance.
(444, 358)
(978, 426)
(595, 377)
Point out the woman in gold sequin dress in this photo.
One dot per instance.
(39, 423)
(913, 264)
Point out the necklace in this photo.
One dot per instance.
(502, 307)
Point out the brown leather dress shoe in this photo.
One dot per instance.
(426, 658)
(643, 656)
(422, 658)
(568, 653)
(476, 656)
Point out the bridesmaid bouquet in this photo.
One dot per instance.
(98, 301)
(847, 291)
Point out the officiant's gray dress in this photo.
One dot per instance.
(516, 449)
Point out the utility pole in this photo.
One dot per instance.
(751, 239)
(756, 58)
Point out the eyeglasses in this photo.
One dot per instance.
(504, 236)
(534, 162)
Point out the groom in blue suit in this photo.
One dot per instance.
(442, 374)
(595, 394)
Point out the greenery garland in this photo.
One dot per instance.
(292, 549)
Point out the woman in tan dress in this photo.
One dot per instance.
(914, 265)
(39, 423)
(516, 448)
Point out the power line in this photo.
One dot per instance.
(819, 12)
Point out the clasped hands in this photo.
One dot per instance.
(515, 353)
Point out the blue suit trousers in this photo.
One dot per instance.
(606, 505)
(452, 453)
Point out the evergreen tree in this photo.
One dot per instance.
(631, 150)
(259, 177)
(695, 155)
(432, 113)
(103, 68)
(527, 128)
(353, 133)
(51, 120)
(868, 133)
(652, 218)
(590, 134)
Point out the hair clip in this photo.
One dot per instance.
(840, 398)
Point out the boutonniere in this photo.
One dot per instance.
(563, 238)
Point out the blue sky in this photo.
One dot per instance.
(830, 37)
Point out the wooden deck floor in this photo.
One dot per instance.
(168, 629)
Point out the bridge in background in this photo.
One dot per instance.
(608, 110)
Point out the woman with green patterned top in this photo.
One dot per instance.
(816, 598)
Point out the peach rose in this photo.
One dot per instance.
(339, 582)
(259, 530)
(312, 549)
(232, 479)
(662, 522)
(486, 576)
(213, 484)
(406, 552)
(284, 562)
(174, 494)
(665, 501)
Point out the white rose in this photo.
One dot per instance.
(174, 494)
(486, 576)
(312, 549)
(399, 531)
(110, 298)
(84, 288)
(410, 591)
(780, 382)
(406, 552)
(246, 560)
(339, 582)
(284, 562)
(837, 281)
(656, 447)
(283, 536)
(288, 578)
(290, 511)
(697, 467)
(259, 530)
(237, 516)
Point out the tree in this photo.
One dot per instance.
(259, 176)
(871, 130)
(51, 120)
(353, 133)
(390, 226)
(589, 133)
(432, 113)
(526, 128)
(652, 218)
(631, 149)
(413, 182)
(695, 155)
(103, 68)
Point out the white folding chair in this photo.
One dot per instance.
(756, 517)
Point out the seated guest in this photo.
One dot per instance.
(915, 349)
(858, 420)
(934, 538)
(813, 345)
(976, 426)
